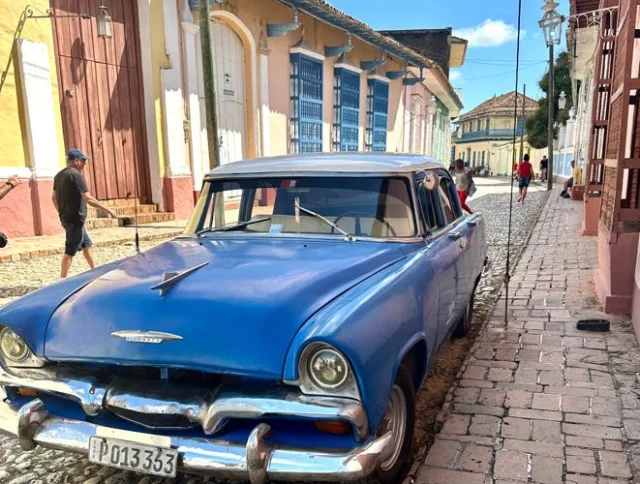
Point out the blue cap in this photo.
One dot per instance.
(74, 154)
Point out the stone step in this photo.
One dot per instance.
(122, 210)
(120, 202)
(148, 218)
(102, 223)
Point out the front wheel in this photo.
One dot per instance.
(399, 418)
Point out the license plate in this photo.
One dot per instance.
(157, 461)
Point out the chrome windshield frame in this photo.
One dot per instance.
(408, 177)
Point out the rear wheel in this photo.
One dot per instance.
(464, 325)
(398, 419)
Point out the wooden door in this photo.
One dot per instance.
(101, 96)
(228, 53)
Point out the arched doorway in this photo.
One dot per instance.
(231, 97)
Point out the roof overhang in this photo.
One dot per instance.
(440, 90)
(458, 51)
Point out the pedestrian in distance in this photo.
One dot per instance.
(70, 197)
(544, 168)
(568, 185)
(464, 182)
(11, 183)
(525, 173)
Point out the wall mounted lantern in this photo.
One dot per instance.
(105, 23)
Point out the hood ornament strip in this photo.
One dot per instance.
(151, 337)
(172, 278)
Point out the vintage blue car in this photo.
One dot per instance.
(283, 336)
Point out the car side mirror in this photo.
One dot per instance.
(431, 181)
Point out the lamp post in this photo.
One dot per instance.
(551, 25)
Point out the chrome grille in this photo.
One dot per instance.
(154, 420)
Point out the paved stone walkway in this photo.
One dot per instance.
(538, 401)
(24, 248)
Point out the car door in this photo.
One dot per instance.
(452, 223)
(442, 254)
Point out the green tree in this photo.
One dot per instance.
(537, 124)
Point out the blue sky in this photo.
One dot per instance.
(489, 25)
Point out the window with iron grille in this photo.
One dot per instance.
(306, 104)
(377, 112)
(346, 110)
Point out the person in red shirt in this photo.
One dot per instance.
(525, 173)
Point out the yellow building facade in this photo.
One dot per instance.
(481, 134)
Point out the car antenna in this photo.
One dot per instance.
(135, 215)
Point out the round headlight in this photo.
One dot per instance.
(13, 346)
(328, 369)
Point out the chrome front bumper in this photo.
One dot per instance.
(202, 407)
(257, 461)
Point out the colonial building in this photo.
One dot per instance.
(292, 76)
(603, 36)
(483, 130)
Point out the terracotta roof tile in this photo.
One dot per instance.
(503, 104)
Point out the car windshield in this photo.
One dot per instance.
(366, 206)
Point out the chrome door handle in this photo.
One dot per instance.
(455, 235)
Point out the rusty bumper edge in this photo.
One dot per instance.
(256, 460)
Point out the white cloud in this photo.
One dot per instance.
(455, 75)
(490, 33)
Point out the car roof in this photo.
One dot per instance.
(319, 164)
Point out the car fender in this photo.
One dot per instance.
(375, 324)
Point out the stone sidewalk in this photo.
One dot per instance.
(23, 248)
(536, 400)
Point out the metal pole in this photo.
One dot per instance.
(209, 85)
(551, 98)
(524, 100)
(211, 110)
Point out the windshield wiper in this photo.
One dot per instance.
(347, 236)
(233, 227)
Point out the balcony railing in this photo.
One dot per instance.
(499, 134)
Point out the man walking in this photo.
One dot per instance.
(544, 167)
(70, 197)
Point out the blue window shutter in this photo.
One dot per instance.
(346, 109)
(306, 104)
(377, 114)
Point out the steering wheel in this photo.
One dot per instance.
(358, 216)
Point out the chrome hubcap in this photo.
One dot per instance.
(395, 421)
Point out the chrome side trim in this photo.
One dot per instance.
(254, 460)
(207, 407)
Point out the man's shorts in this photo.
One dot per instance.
(524, 182)
(570, 183)
(77, 239)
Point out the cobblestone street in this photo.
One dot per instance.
(518, 385)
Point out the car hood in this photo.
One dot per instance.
(237, 314)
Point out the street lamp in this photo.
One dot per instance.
(551, 25)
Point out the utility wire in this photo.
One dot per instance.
(507, 275)
(499, 74)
